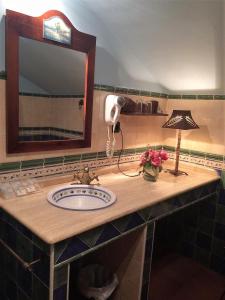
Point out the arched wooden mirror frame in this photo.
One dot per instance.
(20, 25)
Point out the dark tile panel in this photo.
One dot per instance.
(219, 231)
(60, 293)
(147, 262)
(74, 247)
(42, 268)
(18, 228)
(10, 290)
(204, 241)
(202, 256)
(205, 225)
(39, 290)
(109, 232)
(134, 221)
(218, 264)
(24, 279)
(218, 247)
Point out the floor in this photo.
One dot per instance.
(178, 278)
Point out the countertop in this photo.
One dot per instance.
(53, 224)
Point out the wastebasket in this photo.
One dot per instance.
(96, 282)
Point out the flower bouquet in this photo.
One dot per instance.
(151, 161)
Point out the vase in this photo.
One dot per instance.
(151, 174)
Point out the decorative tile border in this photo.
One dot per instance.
(50, 95)
(129, 91)
(47, 133)
(71, 163)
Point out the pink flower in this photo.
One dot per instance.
(153, 153)
(163, 154)
(156, 161)
(144, 158)
(153, 158)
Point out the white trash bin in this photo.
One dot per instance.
(96, 282)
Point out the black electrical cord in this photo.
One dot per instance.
(118, 162)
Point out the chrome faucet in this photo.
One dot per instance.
(85, 177)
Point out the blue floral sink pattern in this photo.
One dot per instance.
(81, 197)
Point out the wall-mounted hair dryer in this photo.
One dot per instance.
(113, 105)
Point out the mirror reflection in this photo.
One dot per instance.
(51, 92)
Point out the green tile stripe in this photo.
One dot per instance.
(131, 91)
(72, 158)
(189, 97)
(219, 97)
(10, 167)
(3, 75)
(69, 159)
(205, 97)
(53, 161)
(194, 153)
(216, 157)
(89, 156)
(198, 153)
(50, 95)
(128, 91)
(30, 164)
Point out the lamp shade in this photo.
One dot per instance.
(181, 119)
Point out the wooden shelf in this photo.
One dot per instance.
(143, 114)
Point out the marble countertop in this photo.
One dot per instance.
(53, 224)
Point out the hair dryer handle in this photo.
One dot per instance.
(116, 114)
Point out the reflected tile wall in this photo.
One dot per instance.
(137, 131)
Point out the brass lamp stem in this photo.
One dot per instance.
(177, 152)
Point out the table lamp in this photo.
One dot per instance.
(181, 120)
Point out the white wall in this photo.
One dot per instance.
(160, 45)
(28, 86)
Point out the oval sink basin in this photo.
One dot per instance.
(81, 197)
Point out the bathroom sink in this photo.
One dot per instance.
(81, 197)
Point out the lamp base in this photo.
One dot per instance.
(178, 173)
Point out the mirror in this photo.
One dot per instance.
(50, 88)
(56, 96)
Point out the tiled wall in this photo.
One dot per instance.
(51, 112)
(137, 132)
(199, 232)
(208, 112)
